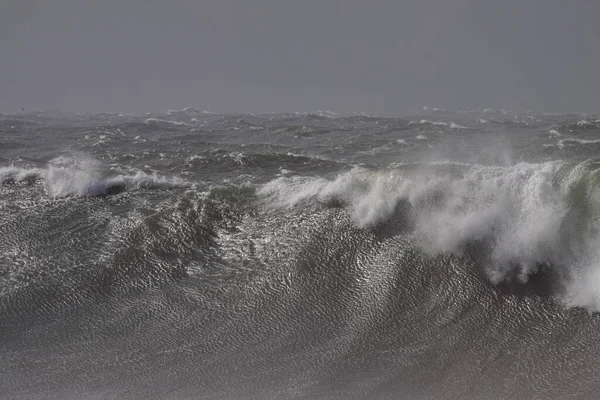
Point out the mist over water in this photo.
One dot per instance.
(190, 255)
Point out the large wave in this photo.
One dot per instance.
(528, 217)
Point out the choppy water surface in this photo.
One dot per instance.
(192, 255)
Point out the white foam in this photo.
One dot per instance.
(164, 121)
(367, 203)
(575, 141)
(554, 132)
(450, 125)
(196, 157)
(436, 123)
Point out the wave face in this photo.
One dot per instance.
(199, 255)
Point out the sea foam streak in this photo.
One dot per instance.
(64, 177)
(528, 214)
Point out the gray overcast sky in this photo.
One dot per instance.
(387, 57)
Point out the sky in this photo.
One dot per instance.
(386, 57)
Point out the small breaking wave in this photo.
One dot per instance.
(14, 174)
(65, 177)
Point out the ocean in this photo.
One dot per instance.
(195, 255)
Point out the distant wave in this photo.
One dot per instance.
(164, 121)
(450, 125)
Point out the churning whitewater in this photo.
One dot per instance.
(194, 255)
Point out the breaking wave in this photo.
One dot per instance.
(527, 217)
